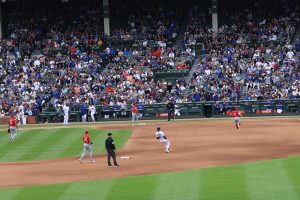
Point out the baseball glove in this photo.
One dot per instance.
(91, 142)
(8, 130)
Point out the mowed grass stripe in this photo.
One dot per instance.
(17, 153)
(6, 140)
(292, 168)
(269, 181)
(50, 192)
(64, 138)
(223, 183)
(177, 186)
(94, 190)
(9, 194)
(138, 187)
(9, 151)
(41, 146)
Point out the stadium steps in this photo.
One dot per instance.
(193, 69)
(297, 34)
(182, 27)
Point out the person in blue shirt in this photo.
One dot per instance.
(116, 109)
(83, 111)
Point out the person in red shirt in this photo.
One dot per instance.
(236, 114)
(12, 123)
(134, 114)
(87, 146)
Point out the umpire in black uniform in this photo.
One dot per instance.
(110, 148)
(171, 110)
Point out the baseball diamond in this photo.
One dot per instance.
(149, 100)
(196, 144)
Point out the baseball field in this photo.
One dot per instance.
(209, 160)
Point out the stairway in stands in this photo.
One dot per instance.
(183, 21)
(181, 30)
(297, 34)
(193, 69)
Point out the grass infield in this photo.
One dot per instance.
(45, 144)
(276, 179)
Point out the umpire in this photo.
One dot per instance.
(110, 148)
(171, 110)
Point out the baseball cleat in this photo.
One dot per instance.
(116, 165)
(167, 151)
(80, 161)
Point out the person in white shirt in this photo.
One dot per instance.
(66, 110)
(21, 112)
(123, 108)
(92, 110)
(290, 54)
(163, 139)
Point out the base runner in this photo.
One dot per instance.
(12, 123)
(87, 146)
(163, 139)
(236, 115)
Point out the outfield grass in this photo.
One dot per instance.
(277, 179)
(45, 144)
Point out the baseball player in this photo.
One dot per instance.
(66, 110)
(92, 110)
(177, 111)
(236, 114)
(87, 145)
(12, 123)
(135, 114)
(22, 114)
(83, 112)
(163, 139)
(18, 115)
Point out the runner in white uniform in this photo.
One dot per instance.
(22, 114)
(92, 110)
(66, 110)
(163, 139)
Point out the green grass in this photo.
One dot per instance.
(277, 179)
(45, 144)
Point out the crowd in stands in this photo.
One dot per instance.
(250, 51)
(66, 58)
(51, 58)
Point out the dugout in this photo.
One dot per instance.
(207, 110)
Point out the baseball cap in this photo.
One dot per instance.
(86, 132)
(109, 134)
(158, 128)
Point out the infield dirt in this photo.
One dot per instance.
(195, 144)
